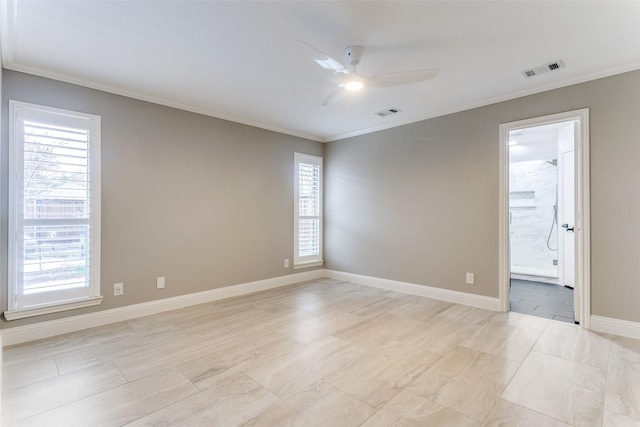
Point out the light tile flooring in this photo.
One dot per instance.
(325, 353)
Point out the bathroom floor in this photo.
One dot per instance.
(542, 300)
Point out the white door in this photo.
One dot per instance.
(567, 218)
(566, 212)
(567, 221)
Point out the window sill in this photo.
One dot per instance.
(23, 313)
(308, 264)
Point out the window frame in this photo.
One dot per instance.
(19, 305)
(309, 260)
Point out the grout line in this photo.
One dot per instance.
(38, 414)
(518, 369)
(538, 412)
(606, 387)
(197, 390)
(55, 360)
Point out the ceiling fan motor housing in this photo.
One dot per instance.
(353, 54)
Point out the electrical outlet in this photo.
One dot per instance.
(286, 263)
(160, 283)
(470, 278)
(118, 289)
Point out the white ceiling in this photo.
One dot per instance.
(242, 60)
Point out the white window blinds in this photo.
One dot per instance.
(54, 215)
(308, 209)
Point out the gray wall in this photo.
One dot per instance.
(204, 202)
(419, 203)
(209, 203)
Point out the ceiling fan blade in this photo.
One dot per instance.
(335, 96)
(326, 61)
(402, 77)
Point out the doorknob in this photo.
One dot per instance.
(566, 226)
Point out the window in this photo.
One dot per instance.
(308, 211)
(54, 217)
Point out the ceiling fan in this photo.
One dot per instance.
(352, 81)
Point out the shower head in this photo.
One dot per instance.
(553, 162)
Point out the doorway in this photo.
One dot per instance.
(544, 227)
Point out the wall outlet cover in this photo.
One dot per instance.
(118, 289)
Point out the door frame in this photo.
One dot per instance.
(582, 208)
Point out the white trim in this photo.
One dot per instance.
(3, 230)
(583, 217)
(504, 261)
(582, 212)
(9, 64)
(473, 300)
(20, 305)
(156, 100)
(486, 101)
(20, 334)
(308, 264)
(543, 279)
(51, 308)
(95, 162)
(8, 28)
(620, 327)
(309, 260)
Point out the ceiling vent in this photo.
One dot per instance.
(385, 113)
(551, 66)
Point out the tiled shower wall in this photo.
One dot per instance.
(532, 196)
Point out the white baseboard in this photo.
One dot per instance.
(479, 301)
(20, 334)
(543, 279)
(613, 326)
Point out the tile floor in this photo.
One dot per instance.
(325, 353)
(542, 300)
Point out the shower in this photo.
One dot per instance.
(554, 221)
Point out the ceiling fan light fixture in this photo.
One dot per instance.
(351, 81)
(331, 64)
(354, 85)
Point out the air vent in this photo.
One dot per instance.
(551, 66)
(385, 113)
